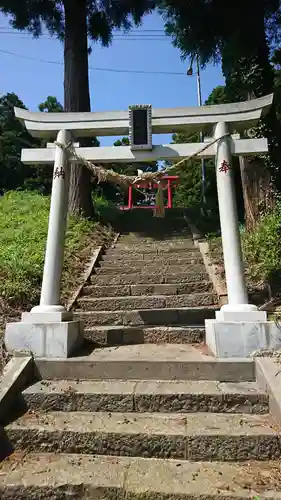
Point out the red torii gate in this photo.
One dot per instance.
(171, 180)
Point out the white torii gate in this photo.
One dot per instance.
(49, 330)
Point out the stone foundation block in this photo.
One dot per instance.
(50, 340)
(241, 339)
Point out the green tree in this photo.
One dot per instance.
(237, 34)
(13, 137)
(188, 193)
(241, 36)
(74, 22)
(276, 61)
(51, 105)
(217, 96)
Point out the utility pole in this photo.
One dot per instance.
(199, 97)
(201, 137)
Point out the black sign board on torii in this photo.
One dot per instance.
(140, 127)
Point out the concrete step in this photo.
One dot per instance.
(162, 249)
(161, 316)
(146, 302)
(155, 239)
(183, 436)
(147, 361)
(127, 335)
(118, 478)
(176, 234)
(146, 396)
(141, 259)
(133, 290)
(150, 269)
(131, 254)
(144, 279)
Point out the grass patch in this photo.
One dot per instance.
(262, 254)
(262, 250)
(106, 210)
(23, 231)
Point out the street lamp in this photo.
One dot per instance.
(199, 101)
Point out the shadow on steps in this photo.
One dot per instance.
(142, 222)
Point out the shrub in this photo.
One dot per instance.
(262, 247)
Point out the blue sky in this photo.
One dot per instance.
(33, 80)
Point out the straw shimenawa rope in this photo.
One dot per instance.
(108, 175)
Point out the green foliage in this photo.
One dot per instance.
(23, 230)
(243, 44)
(262, 248)
(106, 210)
(103, 16)
(217, 96)
(13, 137)
(51, 105)
(76, 22)
(276, 60)
(201, 27)
(188, 193)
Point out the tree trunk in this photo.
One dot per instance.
(257, 190)
(77, 96)
(257, 187)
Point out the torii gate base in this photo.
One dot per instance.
(239, 328)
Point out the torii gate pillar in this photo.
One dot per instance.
(239, 328)
(48, 330)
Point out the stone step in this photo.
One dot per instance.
(180, 233)
(146, 396)
(127, 335)
(188, 316)
(148, 268)
(177, 233)
(133, 290)
(82, 477)
(141, 259)
(131, 254)
(145, 302)
(177, 237)
(144, 279)
(183, 436)
(147, 361)
(163, 249)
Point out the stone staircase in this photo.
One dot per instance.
(144, 412)
(149, 289)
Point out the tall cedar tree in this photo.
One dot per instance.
(74, 22)
(241, 35)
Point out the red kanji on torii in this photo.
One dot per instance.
(224, 167)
